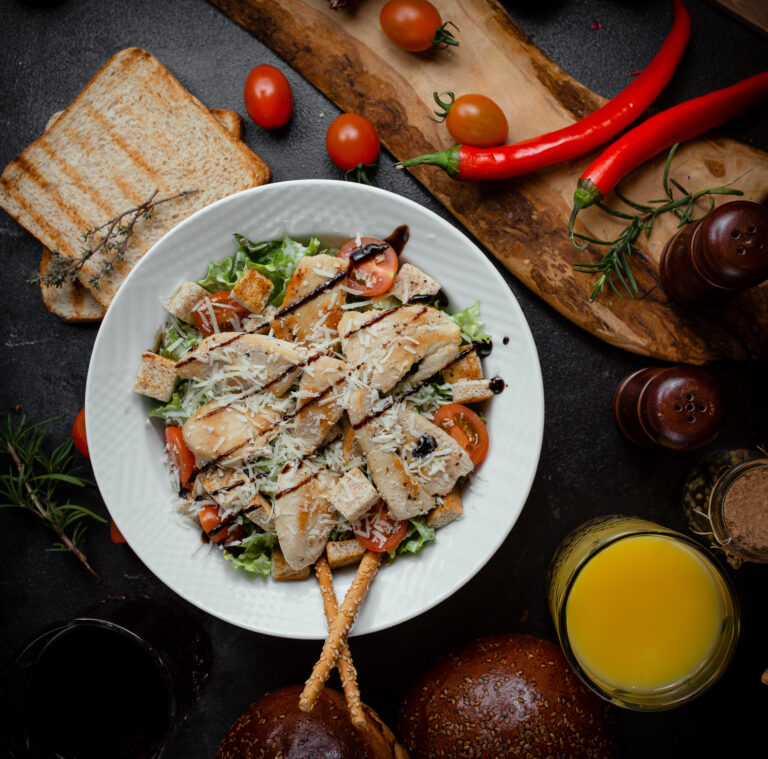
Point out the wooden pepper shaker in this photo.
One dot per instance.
(679, 407)
(725, 252)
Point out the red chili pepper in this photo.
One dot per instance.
(677, 124)
(476, 164)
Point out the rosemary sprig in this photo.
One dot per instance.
(614, 268)
(33, 479)
(109, 238)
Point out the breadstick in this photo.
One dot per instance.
(345, 666)
(339, 630)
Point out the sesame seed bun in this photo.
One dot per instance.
(274, 727)
(506, 696)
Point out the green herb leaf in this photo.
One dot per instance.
(33, 480)
(613, 268)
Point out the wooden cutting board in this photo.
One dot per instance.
(523, 222)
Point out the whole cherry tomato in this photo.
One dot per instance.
(115, 534)
(379, 532)
(268, 97)
(352, 143)
(227, 312)
(476, 120)
(78, 434)
(466, 428)
(375, 275)
(415, 25)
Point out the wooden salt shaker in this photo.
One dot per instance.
(725, 252)
(679, 407)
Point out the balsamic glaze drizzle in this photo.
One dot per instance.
(399, 238)
(367, 251)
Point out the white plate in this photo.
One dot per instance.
(127, 451)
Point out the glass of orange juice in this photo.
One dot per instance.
(644, 615)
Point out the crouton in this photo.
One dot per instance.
(259, 511)
(234, 490)
(466, 368)
(226, 486)
(259, 324)
(182, 304)
(471, 391)
(282, 571)
(411, 282)
(450, 509)
(342, 553)
(353, 495)
(157, 377)
(253, 290)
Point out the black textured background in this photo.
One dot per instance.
(50, 50)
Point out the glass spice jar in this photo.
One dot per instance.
(726, 501)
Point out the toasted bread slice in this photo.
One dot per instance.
(132, 131)
(71, 301)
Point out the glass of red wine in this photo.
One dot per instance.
(114, 682)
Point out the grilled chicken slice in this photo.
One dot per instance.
(320, 406)
(304, 517)
(316, 291)
(257, 362)
(230, 433)
(412, 342)
(234, 490)
(408, 482)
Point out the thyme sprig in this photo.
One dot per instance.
(109, 238)
(614, 266)
(33, 480)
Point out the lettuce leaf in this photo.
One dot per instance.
(223, 275)
(173, 411)
(178, 338)
(253, 554)
(471, 325)
(277, 265)
(186, 399)
(418, 535)
(275, 259)
(428, 399)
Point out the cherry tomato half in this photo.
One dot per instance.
(373, 276)
(413, 25)
(476, 120)
(183, 459)
(466, 428)
(352, 141)
(115, 534)
(226, 311)
(268, 97)
(210, 519)
(379, 532)
(78, 434)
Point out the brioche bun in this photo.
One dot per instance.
(275, 727)
(506, 696)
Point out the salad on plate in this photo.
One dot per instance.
(315, 401)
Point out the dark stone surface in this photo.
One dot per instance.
(49, 52)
